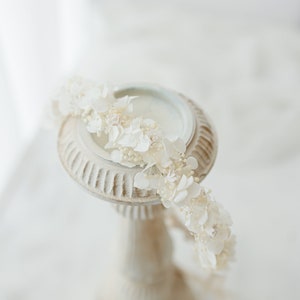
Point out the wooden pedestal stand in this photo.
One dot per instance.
(145, 270)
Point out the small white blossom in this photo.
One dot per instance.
(141, 181)
(90, 98)
(134, 137)
(94, 123)
(211, 225)
(116, 156)
(207, 259)
(124, 104)
(186, 189)
(174, 148)
(71, 94)
(192, 162)
(113, 119)
(114, 133)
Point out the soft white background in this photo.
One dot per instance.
(240, 60)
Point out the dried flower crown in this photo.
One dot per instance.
(136, 141)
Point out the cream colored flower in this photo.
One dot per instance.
(116, 156)
(112, 119)
(185, 190)
(196, 216)
(79, 95)
(208, 260)
(124, 104)
(114, 133)
(192, 162)
(174, 148)
(90, 98)
(134, 137)
(94, 123)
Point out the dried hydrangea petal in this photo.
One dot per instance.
(192, 162)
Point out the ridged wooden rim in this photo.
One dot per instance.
(113, 182)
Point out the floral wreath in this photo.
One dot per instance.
(136, 141)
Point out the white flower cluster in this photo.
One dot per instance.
(135, 141)
(210, 224)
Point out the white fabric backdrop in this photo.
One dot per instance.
(40, 41)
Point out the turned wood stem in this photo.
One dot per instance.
(146, 268)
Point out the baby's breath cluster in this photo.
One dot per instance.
(136, 141)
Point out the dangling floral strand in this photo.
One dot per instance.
(136, 141)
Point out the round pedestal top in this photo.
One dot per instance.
(87, 162)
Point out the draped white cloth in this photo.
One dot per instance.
(40, 41)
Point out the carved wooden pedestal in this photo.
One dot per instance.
(145, 270)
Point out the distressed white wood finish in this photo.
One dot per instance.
(145, 269)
